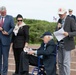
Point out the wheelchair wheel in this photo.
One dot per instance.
(42, 72)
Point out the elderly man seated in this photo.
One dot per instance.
(47, 51)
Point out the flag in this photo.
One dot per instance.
(54, 18)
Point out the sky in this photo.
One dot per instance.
(37, 9)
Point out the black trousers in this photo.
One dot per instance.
(17, 53)
(26, 59)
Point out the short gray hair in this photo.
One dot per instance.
(3, 8)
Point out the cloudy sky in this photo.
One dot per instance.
(37, 9)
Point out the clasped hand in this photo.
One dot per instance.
(3, 31)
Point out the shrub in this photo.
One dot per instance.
(37, 28)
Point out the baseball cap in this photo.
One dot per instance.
(61, 11)
(45, 34)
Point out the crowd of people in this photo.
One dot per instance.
(47, 51)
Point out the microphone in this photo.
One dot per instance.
(59, 23)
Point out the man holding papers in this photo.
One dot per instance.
(65, 31)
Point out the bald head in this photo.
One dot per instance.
(3, 11)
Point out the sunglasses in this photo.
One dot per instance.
(19, 20)
(70, 11)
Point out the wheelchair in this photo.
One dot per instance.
(40, 68)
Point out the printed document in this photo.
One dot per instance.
(59, 34)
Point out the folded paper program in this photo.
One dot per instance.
(59, 34)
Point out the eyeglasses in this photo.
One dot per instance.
(70, 11)
(19, 20)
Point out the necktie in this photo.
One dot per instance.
(1, 23)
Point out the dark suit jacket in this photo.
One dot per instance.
(49, 56)
(70, 27)
(21, 38)
(7, 26)
(72, 16)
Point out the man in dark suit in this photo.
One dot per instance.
(67, 44)
(71, 14)
(48, 53)
(6, 28)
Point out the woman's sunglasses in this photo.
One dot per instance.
(19, 20)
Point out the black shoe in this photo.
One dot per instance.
(15, 74)
(31, 74)
(25, 73)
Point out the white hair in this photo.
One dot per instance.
(51, 37)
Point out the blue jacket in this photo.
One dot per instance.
(49, 57)
(7, 26)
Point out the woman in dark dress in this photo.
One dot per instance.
(20, 40)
